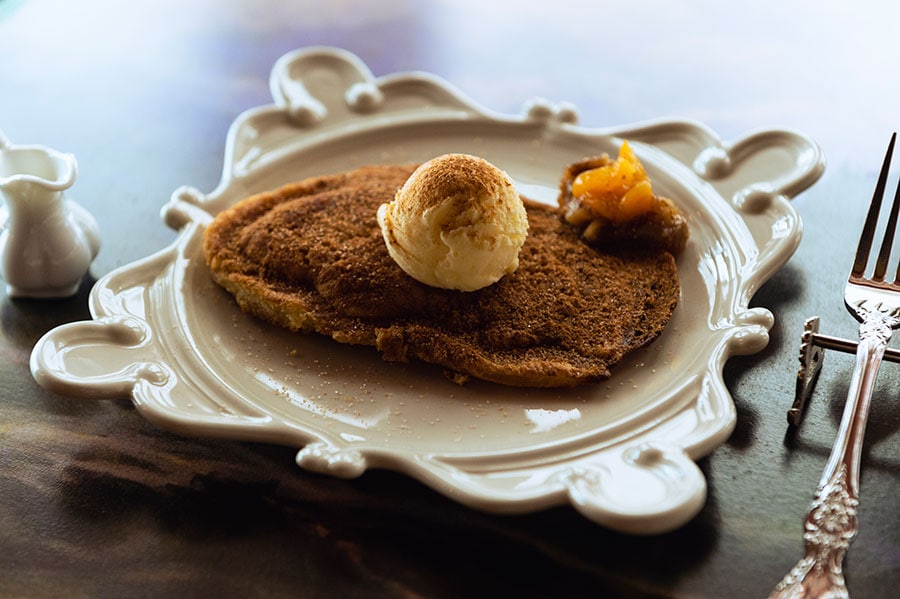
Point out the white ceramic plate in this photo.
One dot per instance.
(621, 452)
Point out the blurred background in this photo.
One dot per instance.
(822, 68)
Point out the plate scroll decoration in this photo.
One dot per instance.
(623, 453)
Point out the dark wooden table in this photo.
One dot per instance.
(97, 502)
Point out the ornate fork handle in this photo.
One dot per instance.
(831, 523)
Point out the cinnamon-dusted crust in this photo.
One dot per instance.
(310, 257)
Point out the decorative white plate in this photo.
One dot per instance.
(621, 452)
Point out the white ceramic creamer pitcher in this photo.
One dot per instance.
(47, 242)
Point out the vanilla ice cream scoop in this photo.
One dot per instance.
(457, 223)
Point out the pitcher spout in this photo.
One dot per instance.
(36, 166)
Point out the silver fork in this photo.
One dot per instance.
(831, 523)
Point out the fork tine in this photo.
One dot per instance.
(895, 210)
(868, 232)
(885, 253)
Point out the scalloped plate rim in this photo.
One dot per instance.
(323, 452)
